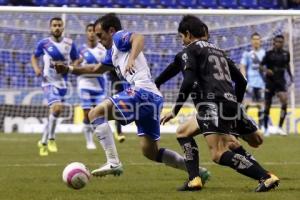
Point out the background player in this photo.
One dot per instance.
(208, 77)
(276, 61)
(91, 88)
(55, 49)
(250, 67)
(141, 103)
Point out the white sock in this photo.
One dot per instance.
(175, 160)
(88, 133)
(106, 139)
(45, 135)
(171, 158)
(51, 126)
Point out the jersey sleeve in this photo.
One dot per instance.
(39, 49)
(122, 40)
(239, 80)
(172, 70)
(107, 60)
(244, 59)
(74, 53)
(188, 82)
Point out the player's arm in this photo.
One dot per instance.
(137, 46)
(171, 70)
(264, 65)
(35, 58)
(243, 64)
(288, 68)
(87, 69)
(185, 90)
(239, 79)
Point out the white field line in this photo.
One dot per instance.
(129, 164)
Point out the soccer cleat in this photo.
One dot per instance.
(108, 168)
(268, 184)
(91, 146)
(280, 131)
(43, 150)
(267, 133)
(120, 137)
(204, 175)
(192, 185)
(52, 146)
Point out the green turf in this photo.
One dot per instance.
(26, 176)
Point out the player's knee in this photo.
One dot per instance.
(180, 132)
(149, 154)
(92, 115)
(216, 156)
(284, 106)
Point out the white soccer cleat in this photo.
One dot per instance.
(91, 146)
(280, 131)
(108, 168)
(267, 133)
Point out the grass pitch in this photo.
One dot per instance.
(26, 176)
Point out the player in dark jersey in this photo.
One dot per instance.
(246, 127)
(208, 79)
(276, 61)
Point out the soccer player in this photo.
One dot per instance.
(117, 86)
(276, 61)
(56, 50)
(141, 103)
(91, 89)
(250, 67)
(208, 78)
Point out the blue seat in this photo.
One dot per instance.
(105, 3)
(148, 3)
(125, 3)
(59, 2)
(188, 3)
(169, 3)
(249, 3)
(40, 2)
(228, 3)
(268, 4)
(208, 3)
(84, 3)
(3, 2)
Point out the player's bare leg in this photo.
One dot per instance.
(219, 147)
(99, 117)
(47, 143)
(88, 130)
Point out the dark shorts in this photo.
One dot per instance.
(245, 125)
(217, 117)
(273, 88)
(257, 94)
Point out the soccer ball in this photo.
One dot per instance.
(76, 175)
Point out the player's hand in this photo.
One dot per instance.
(38, 72)
(269, 72)
(167, 117)
(61, 68)
(130, 67)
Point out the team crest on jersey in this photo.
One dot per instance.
(50, 49)
(184, 57)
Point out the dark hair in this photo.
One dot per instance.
(194, 25)
(89, 25)
(255, 34)
(279, 36)
(109, 20)
(55, 19)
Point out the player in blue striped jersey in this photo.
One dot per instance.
(91, 88)
(55, 50)
(250, 67)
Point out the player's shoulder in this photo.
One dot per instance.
(67, 40)
(44, 40)
(121, 35)
(100, 47)
(82, 48)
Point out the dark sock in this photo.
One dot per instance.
(243, 152)
(191, 156)
(242, 165)
(118, 127)
(266, 121)
(260, 118)
(282, 115)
